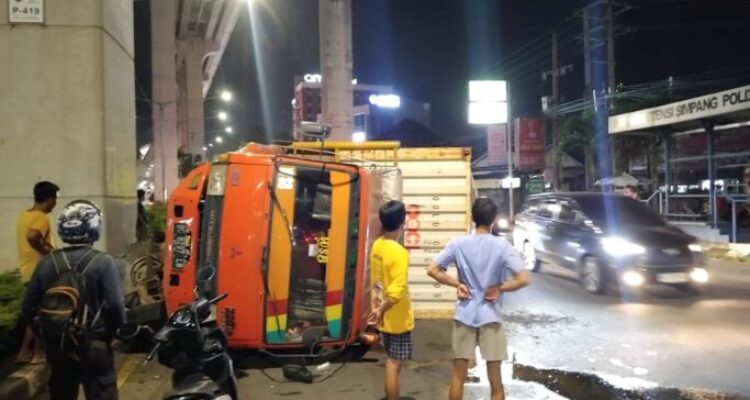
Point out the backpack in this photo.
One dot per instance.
(64, 308)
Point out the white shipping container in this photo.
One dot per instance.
(437, 190)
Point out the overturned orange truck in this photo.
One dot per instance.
(287, 230)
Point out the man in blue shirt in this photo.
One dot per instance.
(483, 262)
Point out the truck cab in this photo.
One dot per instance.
(288, 233)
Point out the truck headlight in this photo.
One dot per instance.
(217, 180)
(620, 247)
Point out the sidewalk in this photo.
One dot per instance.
(738, 252)
(22, 382)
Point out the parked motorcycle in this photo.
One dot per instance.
(192, 344)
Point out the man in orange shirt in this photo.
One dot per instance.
(34, 240)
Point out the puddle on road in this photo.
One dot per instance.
(580, 386)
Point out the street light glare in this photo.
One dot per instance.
(223, 115)
(210, 145)
(228, 129)
(226, 95)
(219, 139)
(205, 148)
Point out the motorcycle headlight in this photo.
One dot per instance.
(620, 247)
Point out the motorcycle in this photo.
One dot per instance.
(192, 344)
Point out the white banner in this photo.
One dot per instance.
(26, 11)
(687, 110)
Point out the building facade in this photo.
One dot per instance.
(376, 108)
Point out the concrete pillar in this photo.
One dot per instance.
(67, 114)
(193, 52)
(336, 66)
(164, 96)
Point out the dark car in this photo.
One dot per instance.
(612, 241)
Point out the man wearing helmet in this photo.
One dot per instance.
(78, 226)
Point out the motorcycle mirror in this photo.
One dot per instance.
(128, 331)
(205, 276)
(219, 298)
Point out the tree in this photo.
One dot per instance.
(577, 132)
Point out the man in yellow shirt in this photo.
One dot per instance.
(34, 240)
(391, 309)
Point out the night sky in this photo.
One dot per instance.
(428, 50)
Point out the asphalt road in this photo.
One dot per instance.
(562, 339)
(660, 338)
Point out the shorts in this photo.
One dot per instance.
(490, 338)
(398, 346)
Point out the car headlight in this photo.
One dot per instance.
(633, 278)
(620, 247)
(699, 275)
(502, 223)
(695, 247)
(217, 180)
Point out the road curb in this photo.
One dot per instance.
(728, 251)
(25, 383)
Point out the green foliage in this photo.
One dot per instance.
(11, 295)
(576, 131)
(157, 217)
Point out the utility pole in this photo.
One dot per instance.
(555, 126)
(555, 73)
(335, 20)
(586, 55)
(610, 48)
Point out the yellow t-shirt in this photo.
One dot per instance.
(389, 267)
(27, 255)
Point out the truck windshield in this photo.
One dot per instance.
(306, 275)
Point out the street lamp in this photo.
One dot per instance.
(219, 139)
(205, 148)
(228, 129)
(226, 95)
(210, 145)
(223, 115)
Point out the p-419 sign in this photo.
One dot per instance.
(26, 11)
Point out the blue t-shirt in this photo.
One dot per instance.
(482, 261)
